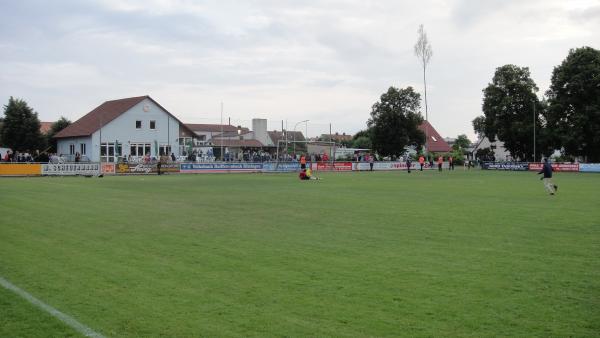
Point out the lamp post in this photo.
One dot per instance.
(534, 123)
(239, 131)
(305, 121)
(221, 131)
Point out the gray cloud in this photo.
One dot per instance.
(328, 61)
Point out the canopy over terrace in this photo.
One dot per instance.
(246, 150)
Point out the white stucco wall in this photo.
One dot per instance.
(500, 153)
(62, 147)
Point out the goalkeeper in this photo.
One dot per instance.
(310, 175)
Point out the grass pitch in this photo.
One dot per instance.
(360, 254)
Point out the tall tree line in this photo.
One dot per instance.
(567, 119)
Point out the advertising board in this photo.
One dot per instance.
(128, 168)
(20, 169)
(108, 168)
(569, 167)
(71, 169)
(281, 167)
(589, 167)
(197, 168)
(337, 166)
(511, 166)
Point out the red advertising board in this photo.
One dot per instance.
(574, 167)
(337, 166)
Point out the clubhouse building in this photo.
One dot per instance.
(131, 127)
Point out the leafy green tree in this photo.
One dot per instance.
(479, 126)
(57, 126)
(462, 142)
(574, 104)
(366, 133)
(362, 142)
(394, 122)
(458, 156)
(508, 107)
(362, 139)
(21, 127)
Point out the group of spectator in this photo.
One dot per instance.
(248, 156)
(295, 157)
(16, 157)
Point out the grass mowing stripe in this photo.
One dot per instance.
(65, 318)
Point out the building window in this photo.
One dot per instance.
(107, 152)
(139, 149)
(184, 145)
(72, 149)
(152, 125)
(433, 138)
(82, 148)
(138, 124)
(165, 150)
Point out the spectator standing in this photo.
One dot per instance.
(371, 161)
(173, 157)
(451, 162)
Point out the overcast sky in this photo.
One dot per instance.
(291, 60)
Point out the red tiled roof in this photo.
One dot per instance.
(45, 127)
(336, 137)
(237, 143)
(435, 142)
(103, 114)
(213, 128)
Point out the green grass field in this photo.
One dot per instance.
(467, 254)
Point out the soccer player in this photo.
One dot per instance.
(303, 162)
(408, 164)
(547, 178)
(303, 175)
(440, 162)
(421, 161)
(310, 175)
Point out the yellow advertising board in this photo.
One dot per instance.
(20, 169)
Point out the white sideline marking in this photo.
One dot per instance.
(65, 318)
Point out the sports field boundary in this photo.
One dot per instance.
(65, 318)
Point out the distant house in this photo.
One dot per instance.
(45, 127)
(135, 126)
(434, 142)
(205, 132)
(337, 137)
(499, 152)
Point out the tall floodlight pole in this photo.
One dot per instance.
(221, 131)
(424, 52)
(534, 122)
